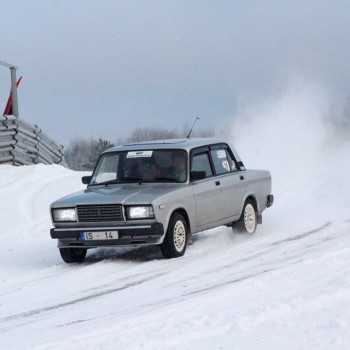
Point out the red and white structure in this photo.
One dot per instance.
(22, 143)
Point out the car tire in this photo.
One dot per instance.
(175, 241)
(73, 255)
(248, 221)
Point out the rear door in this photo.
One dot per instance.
(208, 193)
(232, 181)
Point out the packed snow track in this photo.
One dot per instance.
(230, 290)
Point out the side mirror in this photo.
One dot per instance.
(86, 179)
(197, 175)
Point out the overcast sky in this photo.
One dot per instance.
(102, 68)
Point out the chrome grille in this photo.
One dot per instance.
(100, 213)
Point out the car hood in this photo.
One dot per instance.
(121, 194)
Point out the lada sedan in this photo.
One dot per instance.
(160, 193)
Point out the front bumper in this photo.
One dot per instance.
(128, 235)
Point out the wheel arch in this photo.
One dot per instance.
(183, 212)
(255, 200)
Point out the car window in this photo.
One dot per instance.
(222, 161)
(107, 168)
(201, 162)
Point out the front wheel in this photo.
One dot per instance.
(72, 255)
(248, 220)
(175, 241)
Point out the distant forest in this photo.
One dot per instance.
(82, 153)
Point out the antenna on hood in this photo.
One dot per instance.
(189, 134)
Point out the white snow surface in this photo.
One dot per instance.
(285, 287)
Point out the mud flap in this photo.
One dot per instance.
(259, 219)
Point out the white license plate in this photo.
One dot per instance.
(99, 235)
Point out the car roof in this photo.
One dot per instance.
(185, 144)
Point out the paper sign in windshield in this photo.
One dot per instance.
(139, 154)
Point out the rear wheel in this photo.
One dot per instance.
(248, 221)
(72, 255)
(175, 241)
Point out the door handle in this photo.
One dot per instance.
(217, 183)
(241, 177)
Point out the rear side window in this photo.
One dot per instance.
(223, 162)
(201, 162)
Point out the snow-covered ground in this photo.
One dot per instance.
(285, 287)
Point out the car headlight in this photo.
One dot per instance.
(140, 212)
(68, 214)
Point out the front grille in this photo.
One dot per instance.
(100, 213)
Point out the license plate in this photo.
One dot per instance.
(99, 235)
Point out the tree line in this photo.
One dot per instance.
(82, 153)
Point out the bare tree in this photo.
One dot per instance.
(82, 154)
(149, 134)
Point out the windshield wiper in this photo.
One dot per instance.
(106, 183)
(120, 181)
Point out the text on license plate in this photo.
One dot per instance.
(99, 235)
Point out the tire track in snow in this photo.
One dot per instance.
(284, 262)
(290, 255)
(305, 234)
(38, 311)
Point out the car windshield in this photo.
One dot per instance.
(168, 165)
